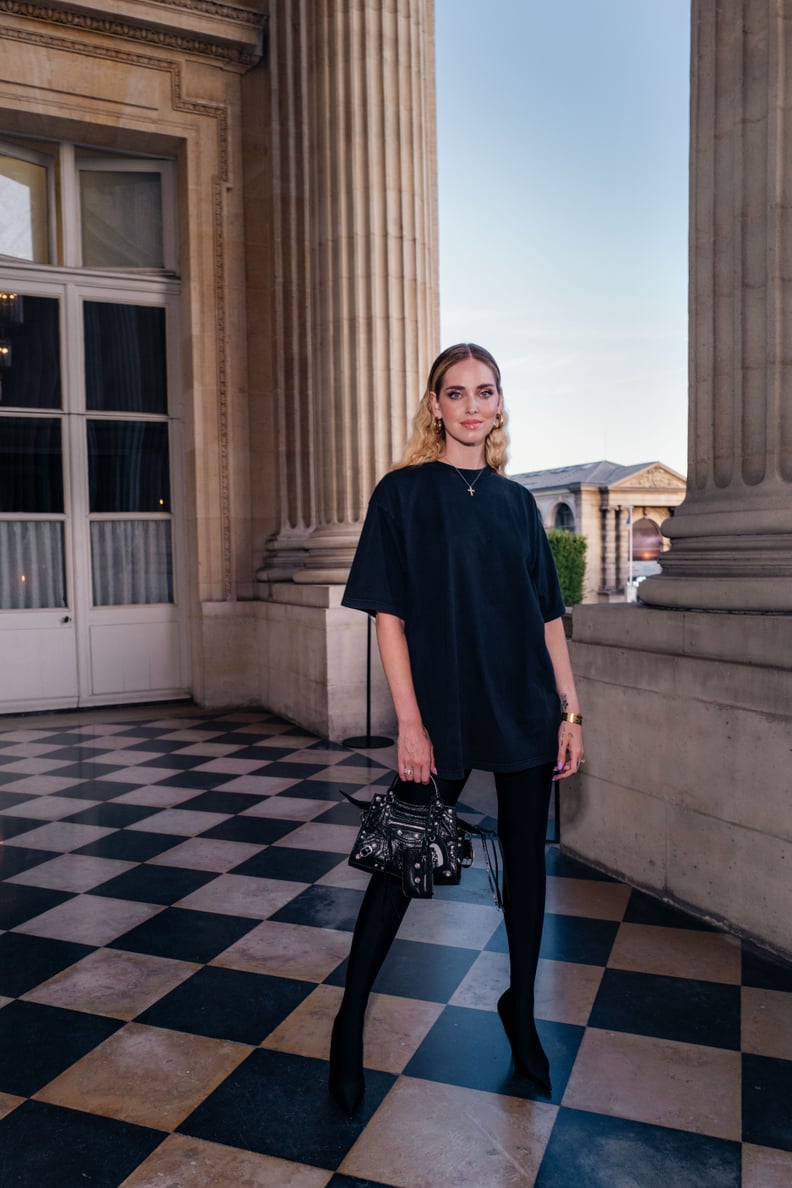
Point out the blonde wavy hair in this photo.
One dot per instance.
(426, 444)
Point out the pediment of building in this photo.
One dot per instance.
(653, 478)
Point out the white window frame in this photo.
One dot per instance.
(98, 164)
(46, 161)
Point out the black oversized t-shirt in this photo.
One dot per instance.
(473, 579)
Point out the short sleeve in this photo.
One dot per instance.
(545, 575)
(377, 578)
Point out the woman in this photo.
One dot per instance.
(454, 562)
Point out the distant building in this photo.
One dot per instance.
(619, 510)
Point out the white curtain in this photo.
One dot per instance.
(31, 564)
(131, 562)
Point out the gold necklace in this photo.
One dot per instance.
(469, 486)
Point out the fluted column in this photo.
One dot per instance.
(374, 252)
(732, 537)
(289, 280)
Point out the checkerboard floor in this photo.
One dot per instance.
(175, 914)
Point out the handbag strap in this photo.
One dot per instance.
(435, 801)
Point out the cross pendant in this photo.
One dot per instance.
(471, 491)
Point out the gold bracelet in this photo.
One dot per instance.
(574, 719)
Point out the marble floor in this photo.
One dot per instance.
(175, 914)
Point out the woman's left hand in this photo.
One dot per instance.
(570, 751)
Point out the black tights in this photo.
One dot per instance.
(523, 800)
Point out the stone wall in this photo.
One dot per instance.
(688, 761)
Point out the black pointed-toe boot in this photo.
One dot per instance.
(530, 1059)
(381, 913)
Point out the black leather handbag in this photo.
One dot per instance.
(421, 845)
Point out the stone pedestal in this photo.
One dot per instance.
(686, 786)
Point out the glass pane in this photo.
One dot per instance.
(31, 376)
(32, 573)
(31, 465)
(128, 466)
(125, 357)
(23, 201)
(121, 219)
(131, 562)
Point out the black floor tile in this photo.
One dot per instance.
(284, 862)
(9, 778)
(277, 1104)
(261, 752)
(228, 1004)
(568, 938)
(86, 769)
(469, 1048)
(38, 1042)
(680, 1009)
(645, 909)
(341, 814)
(176, 761)
(9, 799)
(313, 789)
(27, 960)
(414, 969)
(280, 770)
(259, 831)
(221, 802)
(19, 903)
(473, 887)
(16, 826)
(356, 760)
(154, 884)
(77, 752)
(95, 789)
(184, 935)
(765, 973)
(596, 1151)
(165, 747)
(563, 866)
(15, 859)
(322, 907)
(193, 779)
(111, 816)
(767, 1101)
(131, 845)
(79, 1148)
(341, 1181)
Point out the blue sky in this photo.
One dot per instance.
(563, 191)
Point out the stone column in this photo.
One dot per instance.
(732, 537)
(608, 538)
(359, 212)
(288, 286)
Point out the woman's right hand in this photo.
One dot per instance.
(415, 754)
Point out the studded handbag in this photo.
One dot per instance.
(421, 845)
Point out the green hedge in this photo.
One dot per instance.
(569, 552)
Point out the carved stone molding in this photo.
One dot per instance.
(220, 46)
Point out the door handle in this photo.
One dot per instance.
(66, 619)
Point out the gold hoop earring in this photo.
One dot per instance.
(437, 425)
(498, 421)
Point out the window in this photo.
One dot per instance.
(564, 518)
(25, 183)
(112, 211)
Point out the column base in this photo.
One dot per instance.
(311, 663)
(685, 791)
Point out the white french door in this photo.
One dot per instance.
(93, 607)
